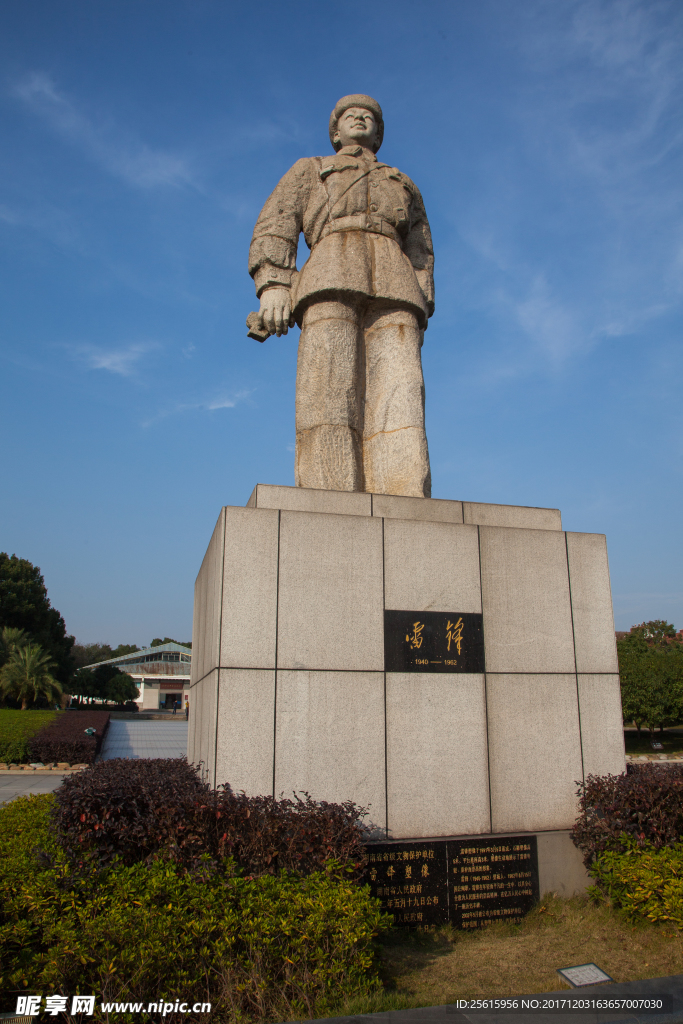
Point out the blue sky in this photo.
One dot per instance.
(140, 141)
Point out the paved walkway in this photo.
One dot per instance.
(13, 784)
(145, 739)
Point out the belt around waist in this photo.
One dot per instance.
(363, 222)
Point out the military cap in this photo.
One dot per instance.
(357, 100)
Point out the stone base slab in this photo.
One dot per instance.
(289, 688)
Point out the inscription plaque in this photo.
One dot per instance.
(492, 880)
(411, 880)
(469, 882)
(433, 642)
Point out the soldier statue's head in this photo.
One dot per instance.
(350, 124)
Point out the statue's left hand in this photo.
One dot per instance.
(276, 310)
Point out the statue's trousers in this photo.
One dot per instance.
(360, 399)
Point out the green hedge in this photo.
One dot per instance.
(268, 948)
(16, 728)
(643, 882)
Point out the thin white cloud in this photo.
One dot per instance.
(524, 297)
(226, 400)
(135, 162)
(613, 108)
(547, 322)
(121, 361)
(597, 118)
(221, 403)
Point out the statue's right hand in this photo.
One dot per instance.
(276, 310)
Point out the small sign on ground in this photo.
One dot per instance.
(583, 975)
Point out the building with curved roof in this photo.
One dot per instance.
(162, 674)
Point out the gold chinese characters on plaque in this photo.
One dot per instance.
(433, 642)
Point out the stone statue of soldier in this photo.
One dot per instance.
(362, 301)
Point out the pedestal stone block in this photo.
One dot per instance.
(394, 506)
(207, 604)
(207, 733)
(451, 664)
(433, 510)
(431, 566)
(594, 639)
(518, 516)
(246, 726)
(560, 865)
(309, 499)
(330, 592)
(602, 735)
(330, 738)
(201, 743)
(534, 751)
(437, 756)
(525, 594)
(250, 568)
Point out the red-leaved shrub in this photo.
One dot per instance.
(265, 835)
(645, 804)
(140, 809)
(65, 738)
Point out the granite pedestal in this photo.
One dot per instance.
(290, 689)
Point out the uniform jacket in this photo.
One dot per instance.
(366, 227)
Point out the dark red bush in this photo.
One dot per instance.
(646, 804)
(138, 809)
(133, 809)
(265, 835)
(65, 738)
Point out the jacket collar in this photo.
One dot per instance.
(356, 151)
(349, 158)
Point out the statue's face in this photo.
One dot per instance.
(357, 126)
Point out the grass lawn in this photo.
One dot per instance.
(18, 726)
(672, 742)
(436, 968)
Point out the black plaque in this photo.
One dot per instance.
(433, 642)
(411, 879)
(492, 880)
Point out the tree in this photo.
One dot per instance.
(651, 673)
(121, 688)
(11, 637)
(83, 684)
(90, 654)
(105, 683)
(656, 633)
(26, 676)
(157, 642)
(114, 685)
(125, 649)
(24, 604)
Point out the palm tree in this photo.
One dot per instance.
(12, 637)
(26, 676)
